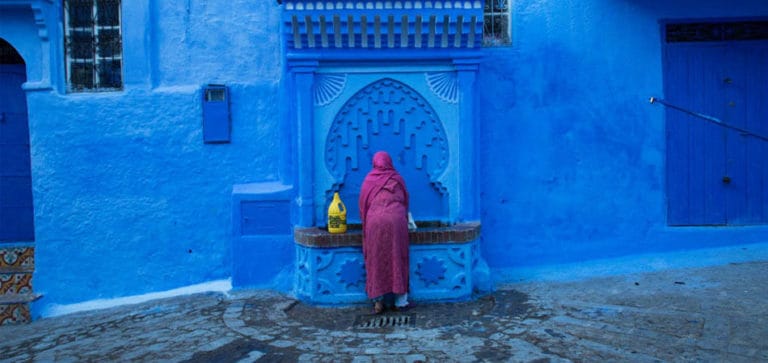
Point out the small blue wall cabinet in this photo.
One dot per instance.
(216, 121)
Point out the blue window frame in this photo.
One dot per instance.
(93, 45)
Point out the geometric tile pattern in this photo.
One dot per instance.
(15, 283)
(17, 257)
(17, 264)
(15, 314)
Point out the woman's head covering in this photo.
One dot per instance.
(382, 171)
(382, 161)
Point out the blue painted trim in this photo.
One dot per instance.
(42, 56)
(386, 55)
(14, 244)
(468, 143)
(302, 80)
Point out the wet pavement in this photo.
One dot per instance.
(709, 314)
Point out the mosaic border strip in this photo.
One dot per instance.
(15, 283)
(17, 257)
(17, 313)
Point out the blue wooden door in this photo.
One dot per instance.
(16, 214)
(715, 174)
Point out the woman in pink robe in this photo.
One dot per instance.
(384, 212)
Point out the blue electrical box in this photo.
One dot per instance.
(216, 122)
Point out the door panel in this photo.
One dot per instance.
(16, 211)
(717, 175)
(14, 160)
(695, 147)
(754, 151)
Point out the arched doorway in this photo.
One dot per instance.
(16, 211)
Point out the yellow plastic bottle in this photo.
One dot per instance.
(337, 215)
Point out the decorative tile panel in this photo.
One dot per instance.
(15, 283)
(14, 314)
(17, 257)
(17, 263)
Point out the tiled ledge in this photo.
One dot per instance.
(427, 233)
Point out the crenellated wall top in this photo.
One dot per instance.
(370, 25)
(373, 4)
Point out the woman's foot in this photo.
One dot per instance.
(404, 308)
(378, 307)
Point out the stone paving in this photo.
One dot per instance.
(712, 314)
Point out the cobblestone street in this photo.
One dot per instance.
(696, 314)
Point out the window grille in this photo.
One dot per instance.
(93, 45)
(716, 32)
(496, 30)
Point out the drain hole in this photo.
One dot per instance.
(377, 322)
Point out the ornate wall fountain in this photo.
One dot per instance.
(364, 76)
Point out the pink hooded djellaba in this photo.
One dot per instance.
(384, 212)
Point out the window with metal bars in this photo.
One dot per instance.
(496, 24)
(93, 45)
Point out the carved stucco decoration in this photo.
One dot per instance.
(387, 104)
(444, 85)
(352, 272)
(328, 87)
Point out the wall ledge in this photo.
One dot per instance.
(427, 233)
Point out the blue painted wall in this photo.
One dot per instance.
(128, 198)
(573, 151)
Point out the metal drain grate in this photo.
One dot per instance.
(383, 321)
